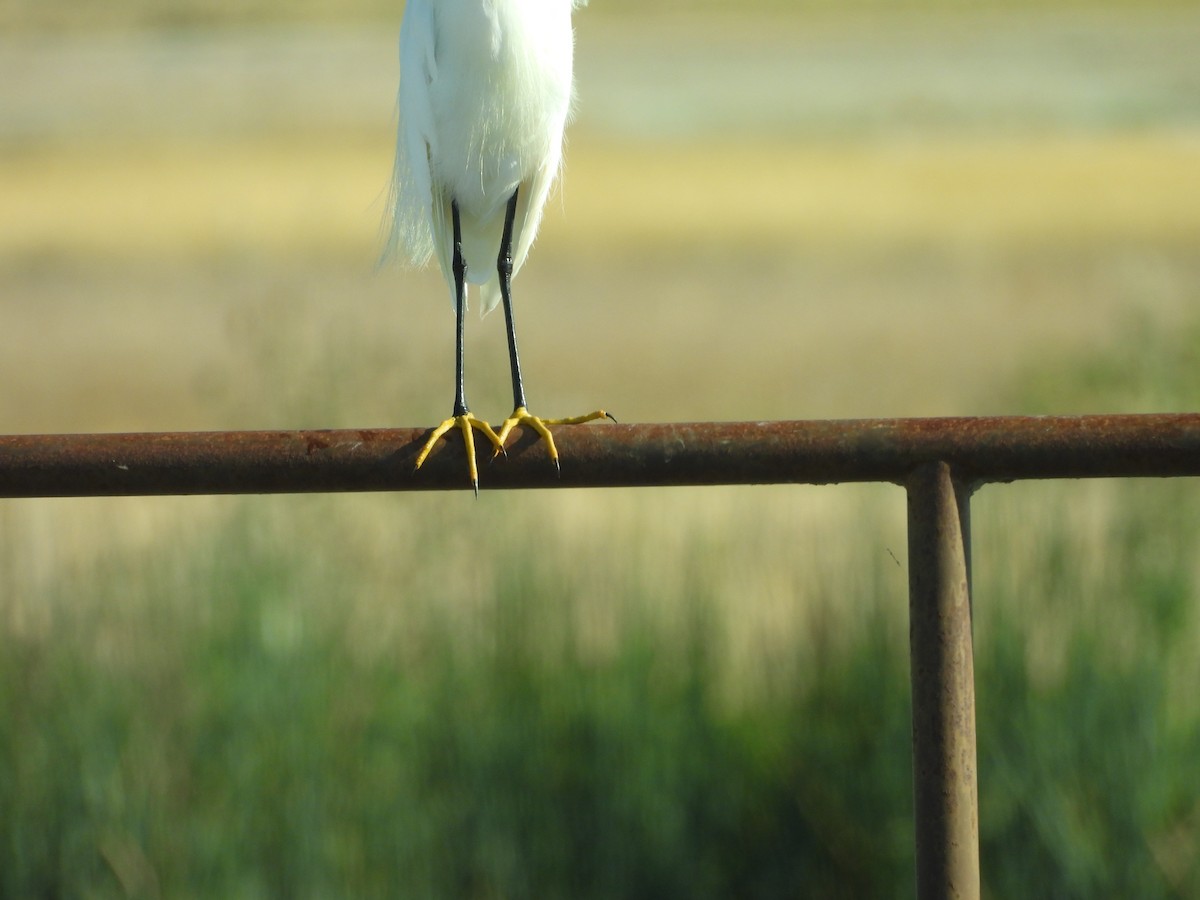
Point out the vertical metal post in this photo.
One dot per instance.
(945, 792)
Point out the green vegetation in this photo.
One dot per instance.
(240, 742)
(239, 719)
(1149, 370)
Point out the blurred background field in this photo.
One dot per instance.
(796, 211)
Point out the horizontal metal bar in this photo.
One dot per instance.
(600, 455)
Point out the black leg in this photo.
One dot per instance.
(504, 267)
(460, 304)
(461, 418)
(521, 415)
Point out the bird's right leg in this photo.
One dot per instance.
(521, 414)
(461, 418)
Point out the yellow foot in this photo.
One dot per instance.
(465, 423)
(522, 416)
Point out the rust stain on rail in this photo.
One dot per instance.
(815, 452)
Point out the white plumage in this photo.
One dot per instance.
(485, 93)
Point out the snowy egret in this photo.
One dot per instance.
(485, 93)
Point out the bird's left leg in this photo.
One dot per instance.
(461, 418)
(521, 414)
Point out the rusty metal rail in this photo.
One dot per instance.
(978, 450)
(939, 462)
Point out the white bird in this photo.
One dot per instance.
(486, 88)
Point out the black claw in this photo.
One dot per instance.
(475, 485)
(611, 416)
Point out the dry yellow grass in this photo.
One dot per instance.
(138, 201)
(1029, 191)
(765, 280)
(285, 195)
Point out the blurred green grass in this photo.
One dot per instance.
(247, 720)
(598, 706)
(699, 693)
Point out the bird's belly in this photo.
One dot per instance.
(481, 176)
(500, 100)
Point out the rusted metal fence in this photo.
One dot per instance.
(939, 462)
